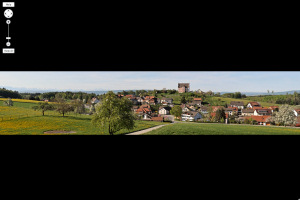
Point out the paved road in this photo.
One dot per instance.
(146, 130)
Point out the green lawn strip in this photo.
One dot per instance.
(80, 124)
(21, 104)
(222, 129)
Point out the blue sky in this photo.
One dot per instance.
(216, 81)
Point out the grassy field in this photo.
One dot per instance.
(222, 129)
(81, 125)
(220, 101)
(20, 119)
(228, 100)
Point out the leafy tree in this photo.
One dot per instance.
(78, 106)
(237, 95)
(183, 100)
(220, 114)
(9, 93)
(43, 106)
(176, 111)
(155, 108)
(285, 116)
(114, 114)
(8, 102)
(63, 107)
(92, 108)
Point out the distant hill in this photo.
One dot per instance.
(38, 90)
(265, 93)
(102, 91)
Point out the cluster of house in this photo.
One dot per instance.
(193, 111)
(142, 107)
(252, 110)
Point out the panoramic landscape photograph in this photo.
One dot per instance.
(149, 103)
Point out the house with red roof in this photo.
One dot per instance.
(247, 112)
(274, 108)
(253, 104)
(153, 101)
(231, 110)
(298, 122)
(297, 112)
(144, 111)
(237, 104)
(261, 120)
(262, 111)
(185, 108)
(197, 101)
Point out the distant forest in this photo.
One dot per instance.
(4, 93)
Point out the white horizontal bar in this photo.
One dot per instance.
(8, 50)
(9, 4)
(8, 38)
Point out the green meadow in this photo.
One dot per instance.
(20, 119)
(222, 129)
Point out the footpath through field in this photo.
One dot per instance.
(146, 130)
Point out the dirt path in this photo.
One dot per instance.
(146, 130)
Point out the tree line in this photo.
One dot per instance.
(290, 99)
(5, 93)
(51, 96)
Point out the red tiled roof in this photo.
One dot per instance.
(298, 111)
(259, 118)
(149, 97)
(197, 99)
(143, 110)
(213, 114)
(233, 108)
(254, 103)
(157, 118)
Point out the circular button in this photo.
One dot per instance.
(8, 44)
(8, 13)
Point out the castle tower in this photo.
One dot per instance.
(183, 87)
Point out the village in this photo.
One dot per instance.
(195, 111)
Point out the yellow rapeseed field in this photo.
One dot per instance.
(21, 100)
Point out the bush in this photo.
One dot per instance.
(8, 102)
